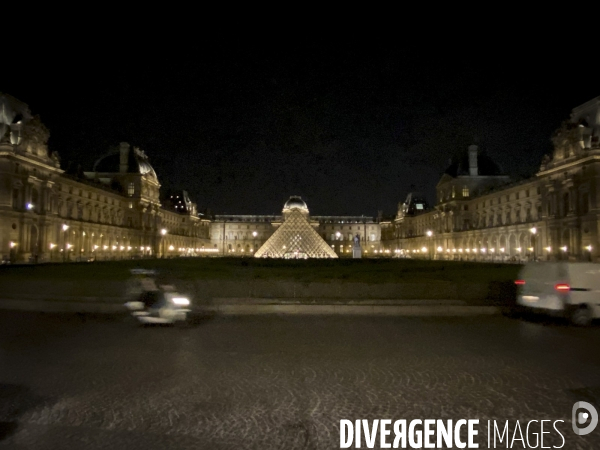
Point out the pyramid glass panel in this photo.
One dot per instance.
(295, 239)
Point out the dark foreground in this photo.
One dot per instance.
(69, 382)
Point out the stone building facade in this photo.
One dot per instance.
(113, 212)
(242, 235)
(482, 215)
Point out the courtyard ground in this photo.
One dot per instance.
(270, 382)
(312, 270)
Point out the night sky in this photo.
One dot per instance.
(349, 128)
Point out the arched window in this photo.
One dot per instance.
(34, 198)
(565, 203)
(15, 198)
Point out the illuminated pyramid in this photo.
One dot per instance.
(295, 238)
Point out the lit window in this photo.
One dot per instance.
(130, 189)
(130, 205)
(465, 191)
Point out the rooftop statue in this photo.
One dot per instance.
(12, 115)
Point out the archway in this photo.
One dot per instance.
(33, 243)
(565, 243)
(512, 246)
(523, 244)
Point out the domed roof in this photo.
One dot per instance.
(137, 162)
(459, 165)
(295, 202)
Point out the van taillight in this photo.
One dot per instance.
(562, 287)
(520, 282)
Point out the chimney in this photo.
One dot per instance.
(473, 171)
(124, 151)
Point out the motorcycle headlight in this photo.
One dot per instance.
(181, 301)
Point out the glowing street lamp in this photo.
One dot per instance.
(533, 231)
(65, 227)
(163, 232)
(429, 233)
(589, 254)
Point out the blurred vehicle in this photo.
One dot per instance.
(153, 303)
(561, 288)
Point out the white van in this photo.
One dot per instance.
(570, 289)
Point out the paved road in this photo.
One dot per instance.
(69, 382)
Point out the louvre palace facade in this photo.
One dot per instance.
(481, 215)
(115, 211)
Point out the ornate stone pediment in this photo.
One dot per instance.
(570, 139)
(35, 137)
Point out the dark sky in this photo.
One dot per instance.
(349, 128)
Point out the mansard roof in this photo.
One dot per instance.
(137, 162)
(459, 165)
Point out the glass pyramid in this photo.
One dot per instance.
(295, 239)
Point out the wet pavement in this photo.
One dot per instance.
(272, 382)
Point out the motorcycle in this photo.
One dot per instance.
(156, 304)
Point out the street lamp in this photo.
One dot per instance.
(429, 233)
(533, 232)
(254, 234)
(163, 232)
(589, 249)
(65, 227)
